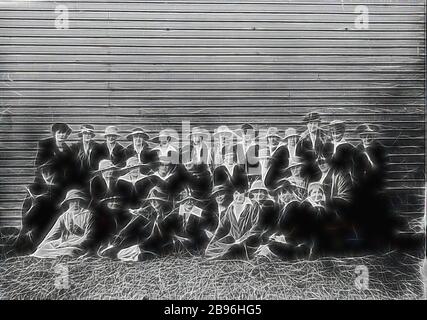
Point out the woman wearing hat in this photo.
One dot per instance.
(295, 174)
(139, 147)
(111, 149)
(237, 235)
(223, 196)
(85, 157)
(248, 152)
(265, 208)
(230, 172)
(196, 223)
(311, 142)
(167, 176)
(103, 184)
(223, 140)
(133, 186)
(343, 151)
(165, 145)
(374, 219)
(68, 235)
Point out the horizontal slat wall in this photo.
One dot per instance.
(154, 64)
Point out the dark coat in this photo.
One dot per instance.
(305, 146)
(370, 174)
(276, 164)
(343, 158)
(147, 156)
(117, 157)
(133, 194)
(238, 179)
(84, 163)
(62, 164)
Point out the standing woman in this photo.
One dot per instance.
(55, 150)
(278, 158)
(84, 153)
(165, 145)
(111, 150)
(139, 147)
(223, 139)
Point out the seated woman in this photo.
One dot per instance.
(237, 235)
(196, 222)
(167, 176)
(70, 232)
(133, 186)
(149, 232)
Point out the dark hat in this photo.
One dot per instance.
(61, 127)
(283, 184)
(137, 131)
(227, 188)
(296, 161)
(156, 193)
(86, 128)
(312, 117)
(246, 126)
(367, 129)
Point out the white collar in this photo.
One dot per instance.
(127, 178)
(163, 178)
(194, 211)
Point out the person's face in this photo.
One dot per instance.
(138, 140)
(86, 136)
(189, 165)
(188, 205)
(273, 141)
(111, 139)
(164, 141)
(292, 141)
(296, 171)
(163, 169)
(248, 135)
(60, 136)
(107, 174)
(134, 172)
(74, 205)
(337, 135)
(259, 195)
(312, 126)
(367, 139)
(316, 195)
(196, 139)
(238, 197)
(284, 196)
(323, 165)
(220, 198)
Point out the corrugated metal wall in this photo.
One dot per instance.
(155, 63)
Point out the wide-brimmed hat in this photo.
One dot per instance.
(338, 125)
(283, 184)
(106, 165)
(291, 132)
(164, 134)
(113, 198)
(61, 127)
(111, 131)
(272, 132)
(367, 129)
(295, 161)
(133, 162)
(221, 188)
(186, 194)
(197, 131)
(137, 131)
(223, 130)
(86, 128)
(311, 117)
(73, 194)
(258, 185)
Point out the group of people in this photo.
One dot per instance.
(295, 195)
